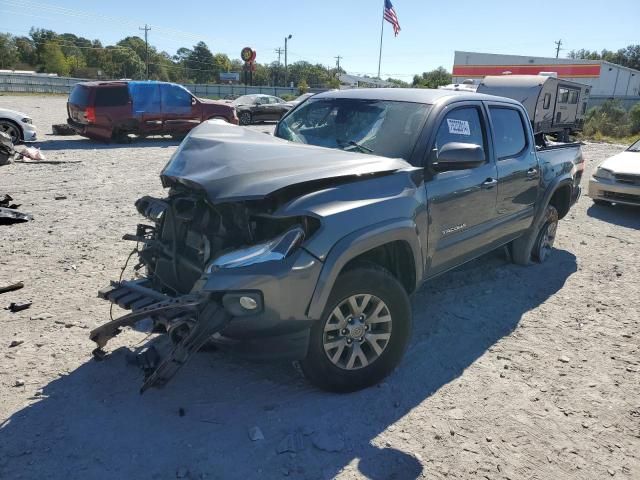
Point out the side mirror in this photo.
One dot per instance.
(193, 100)
(458, 156)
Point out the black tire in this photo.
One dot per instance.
(603, 203)
(366, 279)
(546, 235)
(12, 129)
(245, 118)
(528, 246)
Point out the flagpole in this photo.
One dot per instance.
(381, 32)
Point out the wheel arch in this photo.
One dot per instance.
(393, 245)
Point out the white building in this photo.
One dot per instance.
(607, 80)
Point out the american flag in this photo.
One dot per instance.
(391, 17)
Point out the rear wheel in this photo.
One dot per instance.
(363, 333)
(245, 118)
(12, 129)
(536, 244)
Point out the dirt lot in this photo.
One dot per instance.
(512, 372)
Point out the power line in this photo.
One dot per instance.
(338, 62)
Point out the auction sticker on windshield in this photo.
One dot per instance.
(458, 127)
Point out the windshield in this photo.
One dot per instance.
(244, 100)
(635, 147)
(380, 127)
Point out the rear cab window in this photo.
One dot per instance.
(111, 96)
(79, 96)
(509, 134)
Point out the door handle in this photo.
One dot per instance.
(489, 183)
(532, 172)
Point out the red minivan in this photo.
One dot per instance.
(111, 110)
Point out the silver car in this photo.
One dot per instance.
(617, 179)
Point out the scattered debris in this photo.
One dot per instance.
(60, 197)
(62, 129)
(293, 443)
(8, 212)
(15, 343)
(18, 306)
(31, 152)
(19, 383)
(6, 149)
(12, 287)
(42, 316)
(564, 359)
(255, 434)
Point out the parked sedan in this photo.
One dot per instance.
(617, 179)
(17, 125)
(260, 108)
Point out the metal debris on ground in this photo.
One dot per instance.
(9, 214)
(18, 306)
(12, 287)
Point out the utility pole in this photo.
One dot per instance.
(286, 72)
(277, 73)
(338, 62)
(146, 45)
(558, 45)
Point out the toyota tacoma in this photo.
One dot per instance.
(307, 244)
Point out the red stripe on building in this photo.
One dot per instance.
(563, 70)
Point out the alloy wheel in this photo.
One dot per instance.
(11, 130)
(357, 331)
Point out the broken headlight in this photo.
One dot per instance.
(277, 249)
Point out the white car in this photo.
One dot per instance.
(17, 125)
(617, 179)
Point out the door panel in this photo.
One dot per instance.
(147, 108)
(517, 164)
(462, 202)
(178, 112)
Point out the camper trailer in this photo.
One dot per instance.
(555, 106)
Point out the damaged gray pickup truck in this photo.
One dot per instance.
(307, 244)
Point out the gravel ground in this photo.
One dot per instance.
(512, 372)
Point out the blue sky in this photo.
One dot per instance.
(321, 30)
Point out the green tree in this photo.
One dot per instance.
(40, 38)
(433, 79)
(8, 51)
(27, 55)
(398, 83)
(627, 57)
(200, 63)
(54, 59)
(124, 63)
(303, 86)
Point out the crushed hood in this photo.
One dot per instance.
(233, 163)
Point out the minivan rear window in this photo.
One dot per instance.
(79, 96)
(111, 96)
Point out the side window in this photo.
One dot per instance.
(175, 99)
(547, 101)
(509, 134)
(461, 125)
(111, 96)
(573, 97)
(563, 95)
(146, 97)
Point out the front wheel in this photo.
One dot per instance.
(11, 129)
(363, 332)
(245, 118)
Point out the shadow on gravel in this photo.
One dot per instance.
(623, 215)
(80, 143)
(92, 423)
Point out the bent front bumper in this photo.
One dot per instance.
(206, 317)
(611, 191)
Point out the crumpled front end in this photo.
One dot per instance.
(235, 273)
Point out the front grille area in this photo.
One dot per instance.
(622, 197)
(627, 179)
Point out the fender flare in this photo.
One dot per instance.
(355, 244)
(552, 188)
